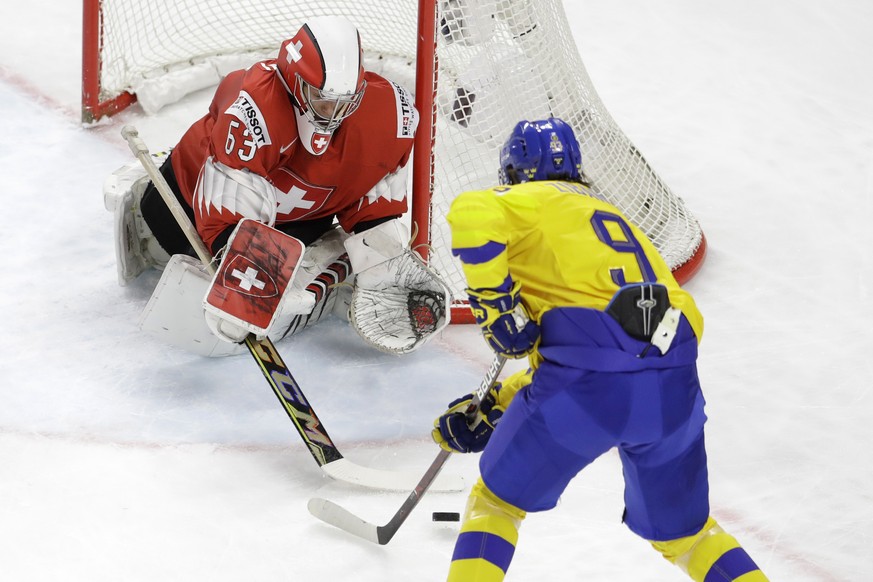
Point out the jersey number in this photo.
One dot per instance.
(247, 151)
(629, 245)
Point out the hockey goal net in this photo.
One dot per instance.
(476, 68)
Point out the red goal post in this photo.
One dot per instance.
(476, 68)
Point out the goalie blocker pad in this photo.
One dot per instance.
(258, 266)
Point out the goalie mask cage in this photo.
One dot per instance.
(476, 67)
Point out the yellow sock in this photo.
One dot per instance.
(711, 555)
(487, 540)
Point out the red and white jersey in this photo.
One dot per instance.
(251, 126)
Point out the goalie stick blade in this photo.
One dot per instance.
(331, 513)
(339, 517)
(348, 472)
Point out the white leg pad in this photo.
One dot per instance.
(136, 249)
(120, 182)
(129, 259)
(174, 313)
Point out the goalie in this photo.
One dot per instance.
(296, 184)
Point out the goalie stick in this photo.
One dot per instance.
(337, 516)
(276, 372)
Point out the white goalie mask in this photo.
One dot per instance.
(322, 68)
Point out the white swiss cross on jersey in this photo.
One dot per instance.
(297, 198)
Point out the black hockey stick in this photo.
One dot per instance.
(337, 516)
(298, 408)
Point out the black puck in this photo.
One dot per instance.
(446, 516)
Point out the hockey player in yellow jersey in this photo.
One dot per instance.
(558, 275)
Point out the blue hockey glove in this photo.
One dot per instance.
(504, 321)
(452, 431)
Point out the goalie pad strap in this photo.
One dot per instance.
(335, 273)
(322, 296)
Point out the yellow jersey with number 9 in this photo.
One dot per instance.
(566, 247)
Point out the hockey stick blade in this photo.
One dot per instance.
(339, 517)
(275, 371)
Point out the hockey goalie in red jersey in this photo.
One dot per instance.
(315, 147)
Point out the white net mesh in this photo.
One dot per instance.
(147, 40)
(503, 61)
(499, 61)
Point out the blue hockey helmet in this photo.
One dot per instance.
(541, 150)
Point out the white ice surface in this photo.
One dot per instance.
(123, 459)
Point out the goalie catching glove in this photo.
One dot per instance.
(455, 432)
(398, 302)
(504, 321)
